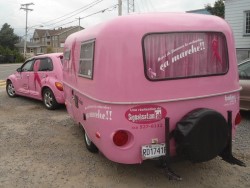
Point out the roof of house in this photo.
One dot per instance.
(52, 32)
(28, 44)
(199, 11)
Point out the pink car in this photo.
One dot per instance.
(40, 77)
(153, 86)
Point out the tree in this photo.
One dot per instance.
(7, 37)
(218, 9)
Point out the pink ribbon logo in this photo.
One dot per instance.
(215, 48)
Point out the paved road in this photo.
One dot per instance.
(5, 71)
(44, 148)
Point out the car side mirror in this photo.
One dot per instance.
(19, 69)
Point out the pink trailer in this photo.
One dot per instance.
(154, 86)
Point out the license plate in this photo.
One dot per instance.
(153, 151)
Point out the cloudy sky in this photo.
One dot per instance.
(52, 14)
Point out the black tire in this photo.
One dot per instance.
(49, 99)
(10, 89)
(89, 144)
(201, 135)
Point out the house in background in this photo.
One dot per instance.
(237, 14)
(31, 48)
(199, 11)
(47, 40)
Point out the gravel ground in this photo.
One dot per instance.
(41, 148)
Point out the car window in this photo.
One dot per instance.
(46, 64)
(28, 66)
(244, 70)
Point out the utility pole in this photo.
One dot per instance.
(119, 7)
(79, 20)
(25, 7)
(131, 6)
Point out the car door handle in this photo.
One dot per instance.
(28, 75)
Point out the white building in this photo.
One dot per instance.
(237, 14)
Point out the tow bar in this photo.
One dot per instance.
(165, 160)
(226, 154)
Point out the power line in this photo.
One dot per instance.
(111, 8)
(73, 13)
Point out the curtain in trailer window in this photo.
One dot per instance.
(181, 55)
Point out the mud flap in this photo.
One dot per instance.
(165, 160)
(227, 154)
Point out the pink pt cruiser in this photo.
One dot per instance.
(40, 77)
(154, 86)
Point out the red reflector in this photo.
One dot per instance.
(59, 86)
(120, 138)
(98, 135)
(237, 119)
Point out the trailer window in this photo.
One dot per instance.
(87, 59)
(66, 54)
(182, 55)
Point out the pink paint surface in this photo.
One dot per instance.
(121, 82)
(32, 82)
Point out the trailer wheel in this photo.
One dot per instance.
(89, 144)
(201, 135)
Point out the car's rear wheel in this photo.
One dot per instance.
(10, 89)
(49, 99)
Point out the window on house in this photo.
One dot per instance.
(247, 23)
(87, 59)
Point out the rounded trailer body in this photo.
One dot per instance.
(130, 79)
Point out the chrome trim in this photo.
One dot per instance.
(156, 101)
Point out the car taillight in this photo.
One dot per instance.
(237, 119)
(120, 138)
(59, 86)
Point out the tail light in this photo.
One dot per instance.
(120, 138)
(59, 86)
(237, 119)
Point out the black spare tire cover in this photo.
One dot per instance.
(201, 135)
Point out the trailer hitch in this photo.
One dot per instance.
(227, 154)
(165, 160)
